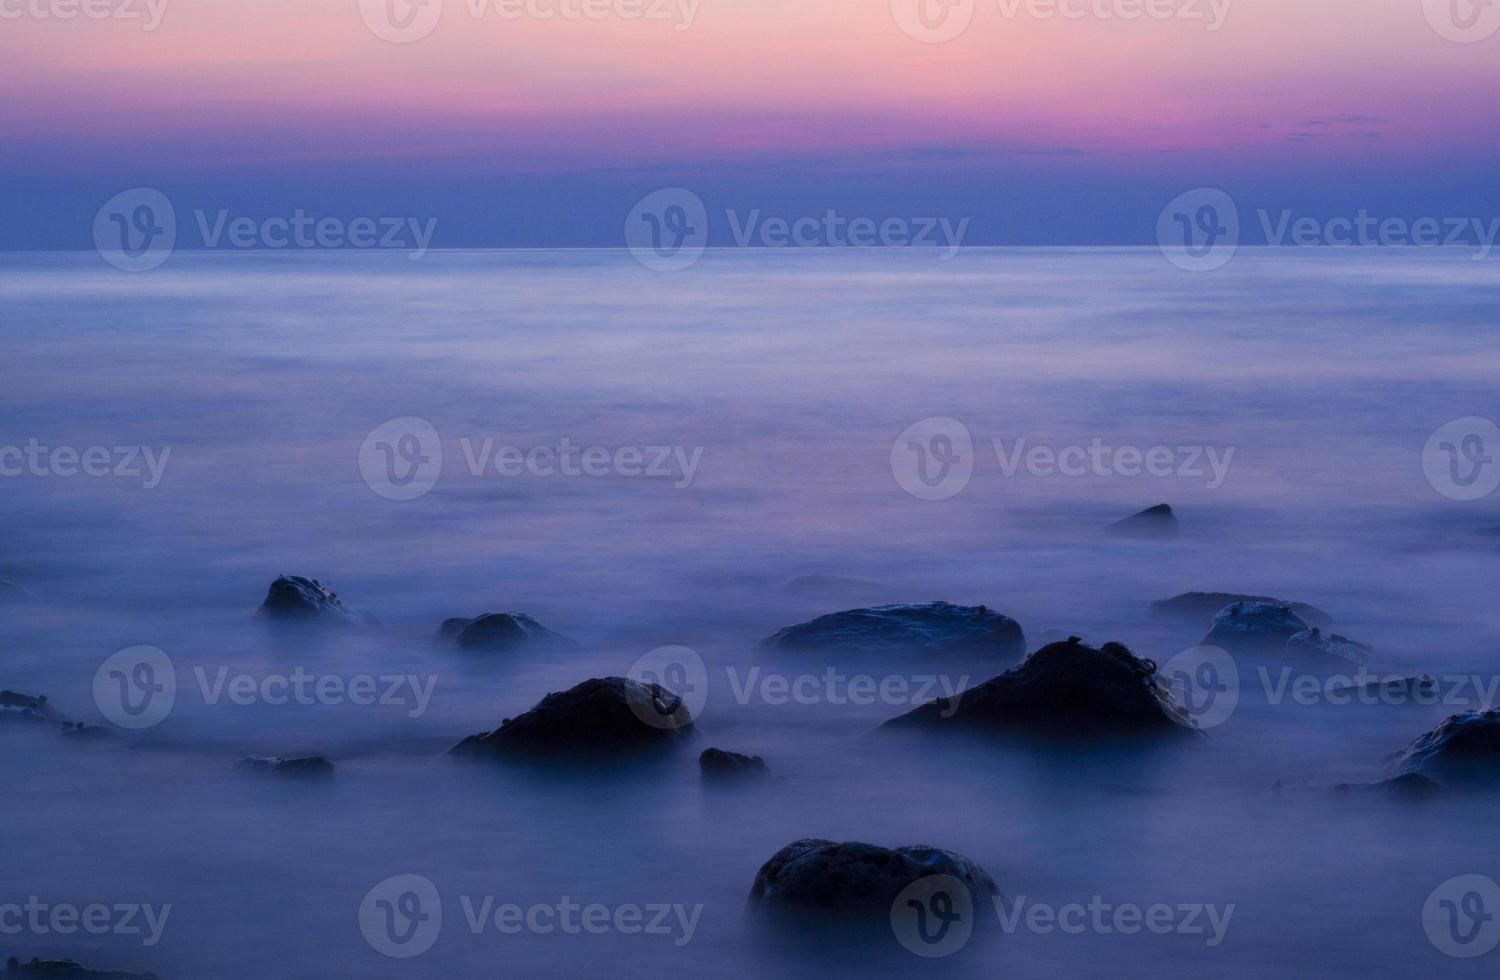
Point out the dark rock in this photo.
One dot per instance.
(1314, 648)
(298, 599)
(718, 762)
(24, 707)
(38, 969)
(310, 765)
(1411, 785)
(856, 880)
(1393, 688)
(500, 631)
(1064, 690)
(1463, 749)
(603, 716)
(1254, 627)
(929, 628)
(1202, 607)
(1153, 522)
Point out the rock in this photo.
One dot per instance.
(1254, 626)
(1409, 785)
(929, 628)
(603, 716)
(500, 632)
(1314, 648)
(718, 762)
(856, 880)
(1201, 607)
(38, 969)
(1463, 749)
(310, 765)
(1153, 522)
(1062, 690)
(24, 707)
(1394, 689)
(297, 599)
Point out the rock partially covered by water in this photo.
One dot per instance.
(38, 969)
(823, 878)
(1202, 607)
(1065, 690)
(1394, 689)
(309, 765)
(500, 632)
(1463, 749)
(293, 598)
(1254, 627)
(1153, 522)
(1314, 648)
(929, 628)
(718, 762)
(1411, 785)
(603, 716)
(24, 707)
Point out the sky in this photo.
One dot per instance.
(542, 122)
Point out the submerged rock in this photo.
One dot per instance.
(824, 878)
(1153, 522)
(1062, 690)
(603, 716)
(1395, 689)
(24, 707)
(1463, 749)
(38, 969)
(500, 631)
(1409, 785)
(718, 762)
(1201, 607)
(929, 628)
(1254, 626)
(297, 599)
(1314, 648)
(310, 765)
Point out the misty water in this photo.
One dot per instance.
(783, 378)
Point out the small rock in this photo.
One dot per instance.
(718, 762)
(1201, 607)
(603, 716)
(1395, 689)
(24, 707)
(298, 599)
(310, 765)
(1314, 648)
(930, 628)
(501, 632)
(824, 879)
(1153, 522)
(1463, 749)
(38, 969)
(1062, 690)
(1254, 627)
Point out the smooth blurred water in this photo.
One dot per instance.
(793, 371)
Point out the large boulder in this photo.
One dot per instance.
(603, 717)
(294, 598)
(1153, 522)
(1463, 749)
(1254, 627)
(1201, 607)
(1315, 649)
(500, 632)
(824, 878)
(720, 762)
(928, 628)
(1066, 689)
